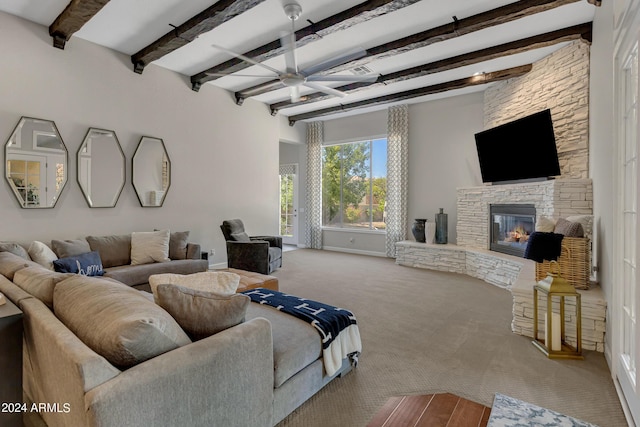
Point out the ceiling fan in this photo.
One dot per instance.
(293, 77)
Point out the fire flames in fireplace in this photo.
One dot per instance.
(511, 226)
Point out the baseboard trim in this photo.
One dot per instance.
(354, 251)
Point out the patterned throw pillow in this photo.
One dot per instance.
(87, 264)
(568, 228)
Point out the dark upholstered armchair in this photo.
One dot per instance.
(262, 254)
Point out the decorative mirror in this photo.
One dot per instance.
(101, 168)
(36, 163)
(151, 170)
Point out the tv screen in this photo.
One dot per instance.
(519, 150)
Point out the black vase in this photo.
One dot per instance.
(418, 230)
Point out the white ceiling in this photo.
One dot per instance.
(128, 26)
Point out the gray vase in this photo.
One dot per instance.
(441, 227)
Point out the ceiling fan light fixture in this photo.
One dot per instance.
(291, 80)
(293, 11)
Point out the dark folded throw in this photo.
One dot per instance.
(543, 246)
(327, 319)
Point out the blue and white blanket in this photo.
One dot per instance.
(337, 327)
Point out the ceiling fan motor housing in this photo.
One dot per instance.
(293, 11)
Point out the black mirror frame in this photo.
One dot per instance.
(133, 159)
(124, 167)
(66, 158)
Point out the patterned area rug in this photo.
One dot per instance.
(509, 412)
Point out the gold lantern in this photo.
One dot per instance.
(554, 344)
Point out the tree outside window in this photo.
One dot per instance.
(354, 185)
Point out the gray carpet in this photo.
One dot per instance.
(430, 332)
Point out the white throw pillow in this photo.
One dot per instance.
(42, 254)
(218, 282)
(149, 246)
(545, 224)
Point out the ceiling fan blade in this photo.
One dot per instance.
(255, 76)
(295, 93)
(246, 59)
(369, 78)
(340, 59)
(325, 89)
(288, 42)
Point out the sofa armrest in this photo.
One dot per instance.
(193, 251)
(249, 256)
(223, 380)
(274, 241)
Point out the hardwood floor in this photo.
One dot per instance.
(431, 410)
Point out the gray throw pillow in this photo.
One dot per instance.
(240, 237)
(199, 313)
(116, 321)
(114, 250)
(178, 244)
(67, 248)
(14, 248)
(568, 228)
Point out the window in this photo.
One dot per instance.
(354, 185)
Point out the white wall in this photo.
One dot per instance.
(442, 155)
(601, 150)
(224, 158)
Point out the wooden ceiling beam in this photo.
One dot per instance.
(341, 21)
(210, 18)
(73, 17)
(485, 78)
(457, 28)
(576, 32)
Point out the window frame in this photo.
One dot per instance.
(342, 228)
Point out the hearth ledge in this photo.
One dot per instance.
(508, 272)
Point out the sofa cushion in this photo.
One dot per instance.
(149, 246)
(10, 263)
(114, 250)
(39, 282)
(219, 282)
(88, 264)
(200, 313)
(42, 254)
(14, 248)
(133, 275)
(125, 327)
(296, 344)
(67, 248)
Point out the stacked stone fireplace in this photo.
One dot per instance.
(557, 198)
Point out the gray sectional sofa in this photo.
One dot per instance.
(91, 342)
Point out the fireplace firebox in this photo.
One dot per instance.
(510, 227)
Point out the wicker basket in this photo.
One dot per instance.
(573, 262)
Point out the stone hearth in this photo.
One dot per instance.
(470, 256)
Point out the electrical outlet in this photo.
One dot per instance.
(212, 253)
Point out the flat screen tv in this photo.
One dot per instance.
(524, 149)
